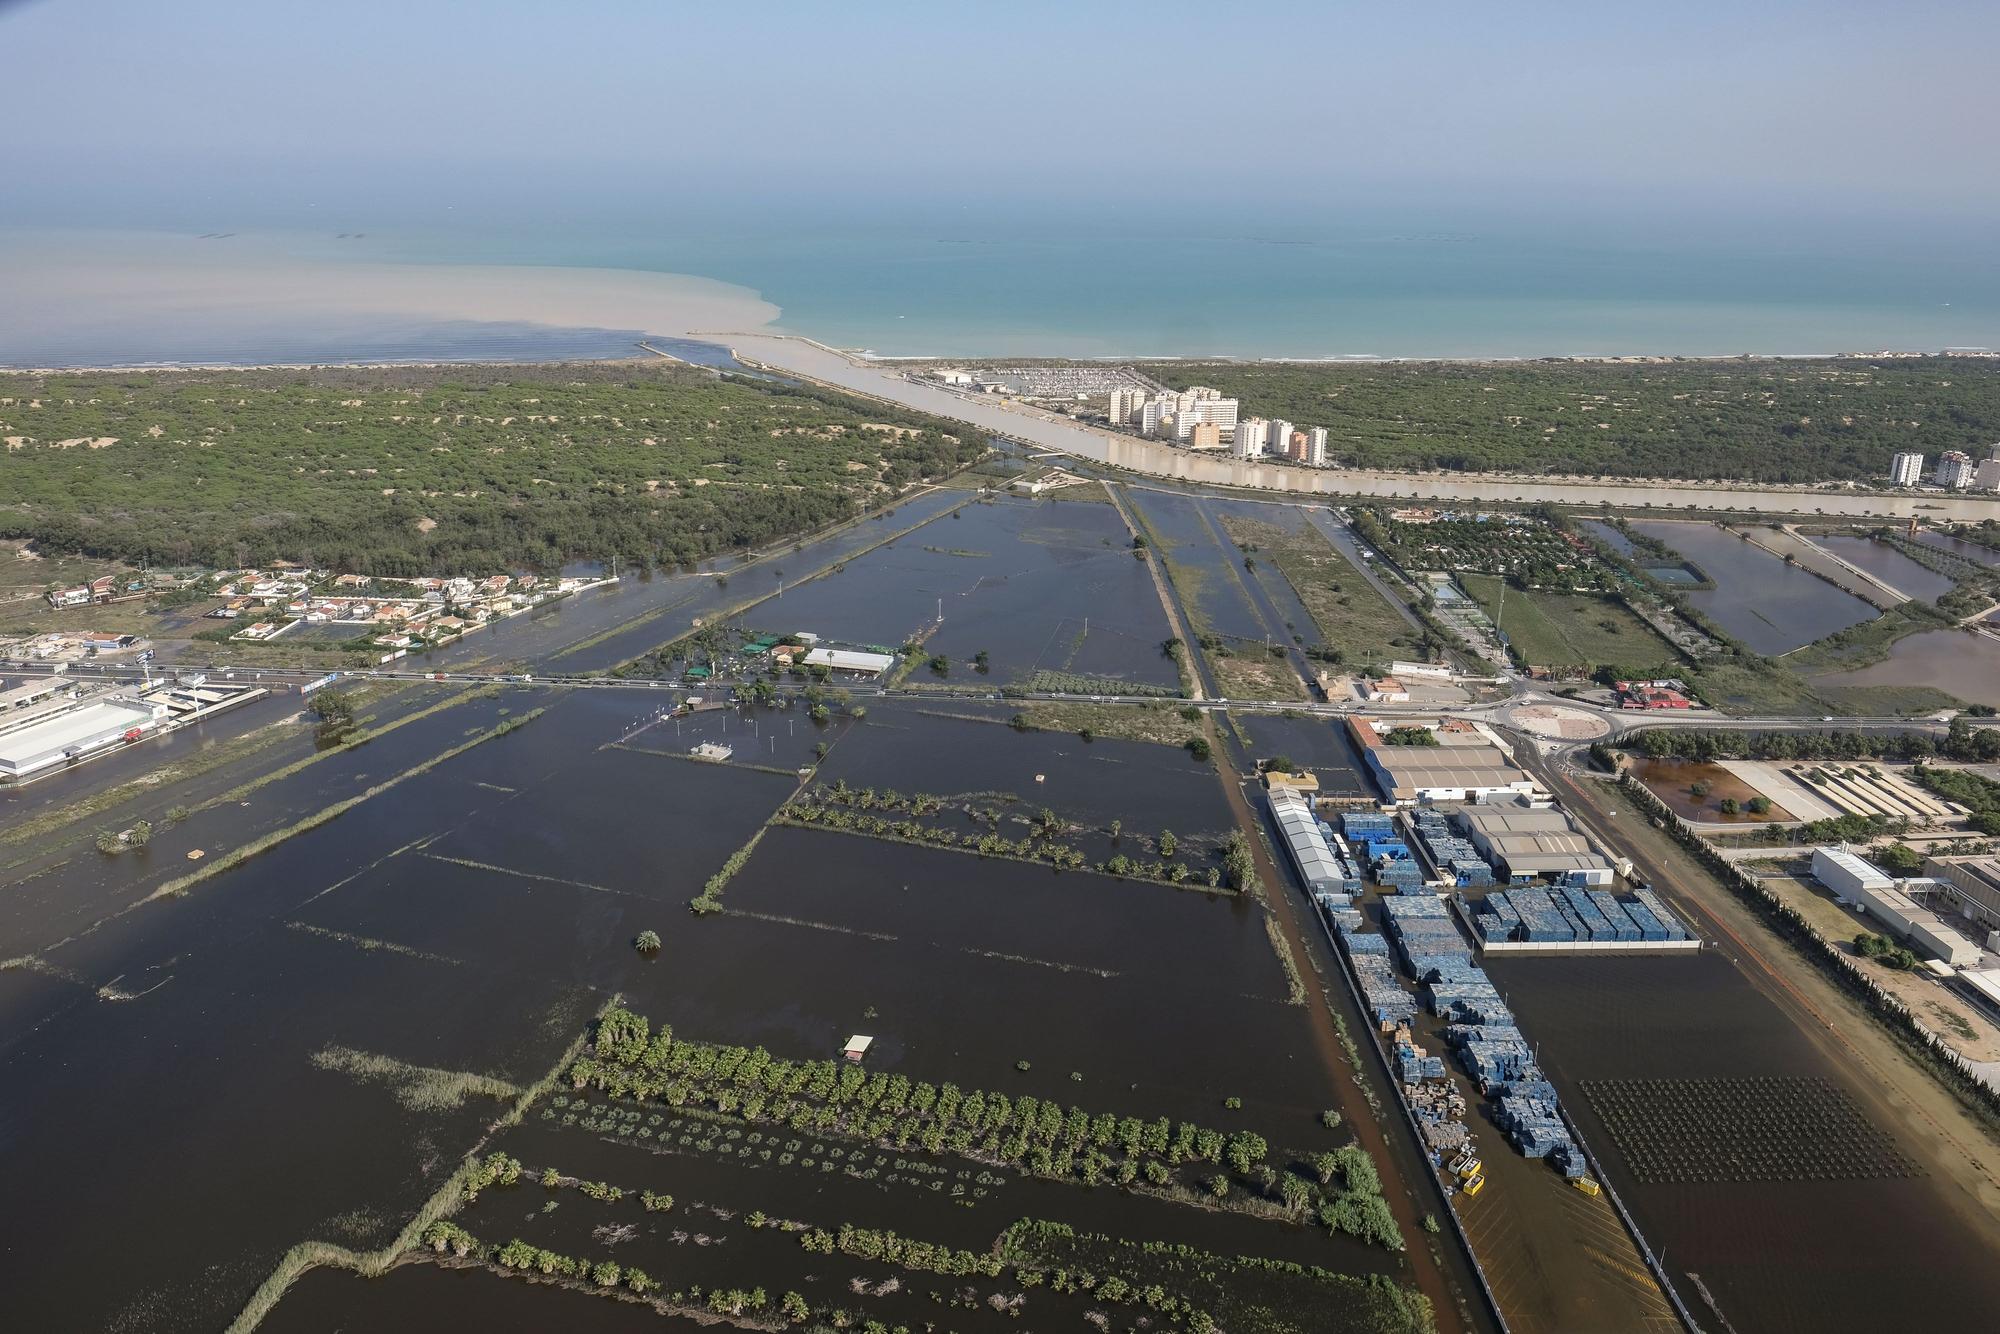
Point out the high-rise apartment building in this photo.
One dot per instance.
(1279, 438)
(1206, 435)
(1906, 469)
(1251, 433)
(1123, 401)
(1316, 447)
(1149, 418)
(1954, 470)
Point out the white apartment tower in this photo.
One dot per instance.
(1278, 440)
(1122, 403)
(1316, 447)
(1954, 470)
(1251, 432)
(1906, 469)
(1149, 418)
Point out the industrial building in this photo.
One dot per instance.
(1972, 884)
(851, 660)
(30, 693)
(1312, 854)
(77, 729)
(1865, 886)
(1467, 764)
(1847, 875)
(1523, 843)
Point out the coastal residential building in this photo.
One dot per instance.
(1986, 477)
(1216, 411)
(1149, 418)
(1954, 470)
(1248, 442)
(1316, 447)
(1906, 469)
(1123, 402)
(1295, 447)
(1279, 439)
(1206, 435)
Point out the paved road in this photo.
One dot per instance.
(1033, 425)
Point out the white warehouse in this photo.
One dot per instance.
(1847, 875)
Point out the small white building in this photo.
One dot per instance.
(857, 1046)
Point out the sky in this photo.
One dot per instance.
(130, 112)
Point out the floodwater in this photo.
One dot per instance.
(1889, 565)
(1954, 661)
(1610, 536)
(157, 1064)
(1770, 606)
(1799, 1254)
(1958, 546)
(1210, 566)
(1319, 744)
(603, 627)
(1049, 585)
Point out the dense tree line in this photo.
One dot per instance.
(445, 470)
(1963, 742)
(1764, 421)
(631, 1059)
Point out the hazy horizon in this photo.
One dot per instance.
(1282, 179)
(1783, 114)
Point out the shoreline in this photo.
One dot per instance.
(902, 362)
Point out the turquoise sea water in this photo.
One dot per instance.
(969, 285)
(965, 287)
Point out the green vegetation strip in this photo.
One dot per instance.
(1339, 1188)
(237, 856)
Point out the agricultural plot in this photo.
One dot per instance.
(1533, 551)
(1575, 630)
(1355, 626)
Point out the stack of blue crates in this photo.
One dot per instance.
(1541, 920)
(1623, 928)
(1356, 826)
(1388, 1004)
(1649, 925)
(1401, 876)
(1591, 924)
(1661, 914)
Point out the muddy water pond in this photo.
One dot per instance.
(1889, 565)
(1818, 1230)
(1670, 781)
(1961, 664)
(1770, 606)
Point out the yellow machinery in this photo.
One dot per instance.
(1475, 1184)
(1586, 1185)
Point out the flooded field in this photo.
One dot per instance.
(1038, 586)
(1673, 781)
(1810, 1230)
(1208, 569)
(1962, 664)
(1958, 546)
(320, 1032)
(1770, 606)
(602, 627)
(1889, 565)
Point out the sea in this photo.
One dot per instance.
(979, 285)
